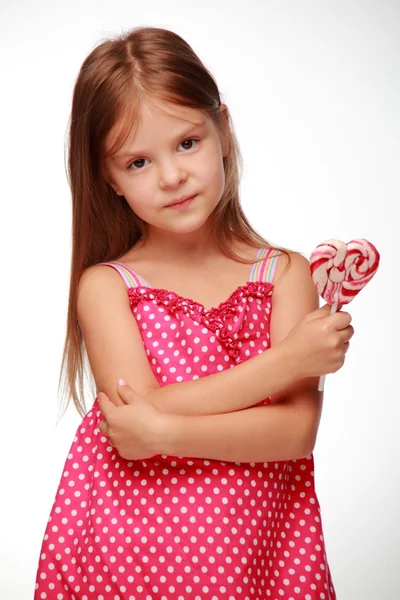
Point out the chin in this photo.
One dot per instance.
(185, 228)
(188, 224)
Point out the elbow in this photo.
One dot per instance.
(297, 447)
(306, 448)
(307, 441)
(307, 424)
(302, 449)
(304, 437)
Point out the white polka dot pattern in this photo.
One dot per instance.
(174, 527)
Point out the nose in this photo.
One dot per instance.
(171, 174)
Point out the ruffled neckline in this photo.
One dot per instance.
(217, 319)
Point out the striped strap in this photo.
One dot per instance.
(264, 270)
(131, 279)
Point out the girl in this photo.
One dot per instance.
(194, 479)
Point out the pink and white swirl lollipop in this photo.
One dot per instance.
(340, 271)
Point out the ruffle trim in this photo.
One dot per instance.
(217, 319)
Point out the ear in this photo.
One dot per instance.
(225, 132)
(113, 185)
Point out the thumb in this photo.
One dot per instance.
(127, 394)
(320, 313)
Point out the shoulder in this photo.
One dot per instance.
(111, 335)
(293, 284)
(98, 275)
(294, 295)
(99, 281)
(291, 266)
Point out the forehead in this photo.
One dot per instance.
(151, 118)
(170, 111)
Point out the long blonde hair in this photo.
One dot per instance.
(112, 81)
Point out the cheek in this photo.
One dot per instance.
(140, 195)
(213, 174)
(140, 207)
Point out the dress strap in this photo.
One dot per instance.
(264, 270)
(131, 278)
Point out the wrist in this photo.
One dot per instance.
(166, 434)
(291, 360)
(151, 397)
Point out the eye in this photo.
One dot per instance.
(138, 163)
(190, 141)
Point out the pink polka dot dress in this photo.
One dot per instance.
(181, 528)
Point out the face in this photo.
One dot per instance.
(176, 152)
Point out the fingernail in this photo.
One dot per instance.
(122, 382)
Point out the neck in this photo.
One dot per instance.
(186, 247)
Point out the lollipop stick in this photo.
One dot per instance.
(322, 378)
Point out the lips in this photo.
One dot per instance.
(180, 200)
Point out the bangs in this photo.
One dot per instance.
(126, 123)
(130, 117)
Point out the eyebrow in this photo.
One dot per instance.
(195, 125)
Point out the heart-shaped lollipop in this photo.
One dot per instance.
(339, 271)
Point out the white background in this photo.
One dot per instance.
(314, 92)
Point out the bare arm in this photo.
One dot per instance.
(287, 429)
(140, 430)
(115, 349)
(283, 431)
(230, 390)
(260, 377)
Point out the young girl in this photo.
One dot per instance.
(190, 479)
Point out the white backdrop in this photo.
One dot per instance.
(314, 92)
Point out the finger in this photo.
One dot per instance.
(320, 313)
(345, 335)
(125, 391)
(115, 401)
(340, 320)
(349, 332)
(105, 404)
(103, 427)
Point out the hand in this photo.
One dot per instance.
(134, 428)
(318, 344)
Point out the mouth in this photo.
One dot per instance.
(180, 202)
